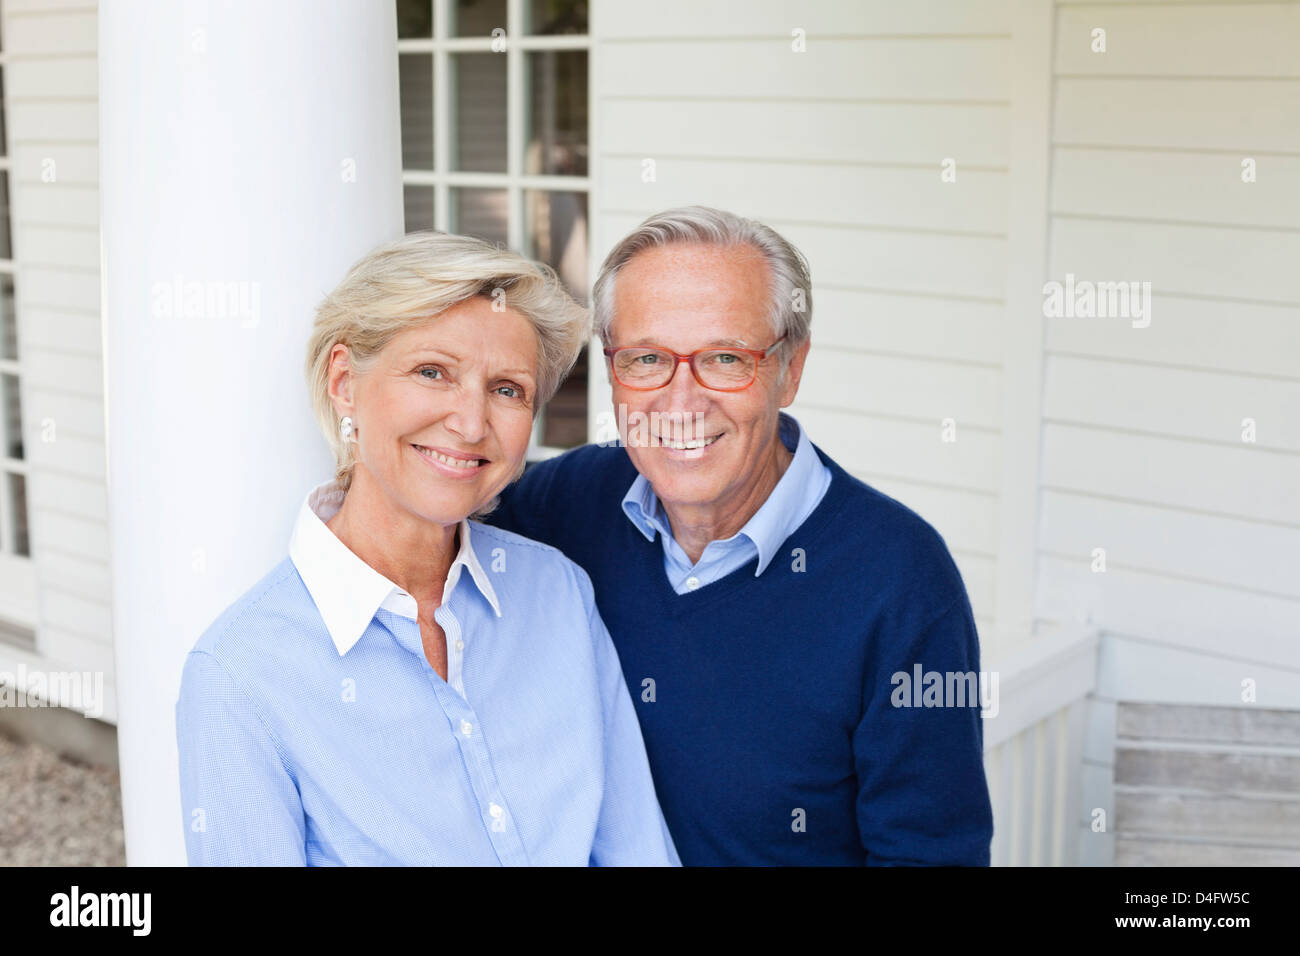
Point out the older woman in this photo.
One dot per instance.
(409, 686)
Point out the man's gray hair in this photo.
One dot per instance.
(790, 286)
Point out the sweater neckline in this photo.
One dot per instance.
(814, 526)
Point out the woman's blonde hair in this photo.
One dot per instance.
(410, 280)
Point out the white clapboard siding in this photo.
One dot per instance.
(48, 285)
(810, 132)
(880, 258)
(1127, 664)
(1142, 444)
(1255, 264)
(72, 75)
(900, 196)
(948, 69)
(1251, 555)
(690, 19)
(1176, 187)
(70, 494)
(51, 87)
(1246, 116)
(76, 572)
(53, 414)
(54, 121)
(894, 385)
(73, 331)
(68, 455)
(62, 246)
(1230, 40)
(59, 203)
(1194, 475)
(82, 537)
(70, 612)
(979, 575)
(1197, 404)
(1242, 337)
(57, 370)
(1192, 614)
(932, 327)
(907, 449)
(77, 651)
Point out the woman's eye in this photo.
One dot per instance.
(647, 359)
(431, 372)
(512, 392)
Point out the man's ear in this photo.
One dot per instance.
(793, 373)
(340, 380)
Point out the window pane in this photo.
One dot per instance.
(6, 249)
(477, 18)
(8, 319)
(4, 139)
(557, 113)
(479, 126)
(415, 18)
(415, 73)
(481, 213)
(557, 16)
(557, 235)
(18, 509)
(13, 416)
(418, 201)
(565, 422)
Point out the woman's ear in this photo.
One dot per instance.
(340, 380)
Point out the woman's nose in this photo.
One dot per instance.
(468, 417)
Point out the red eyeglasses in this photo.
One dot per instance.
(647, 367)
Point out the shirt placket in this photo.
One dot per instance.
(494, 811)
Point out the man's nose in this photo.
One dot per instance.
(683, 388)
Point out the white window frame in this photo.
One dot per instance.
(17, 573)
(514, 180)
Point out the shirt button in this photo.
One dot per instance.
(460, 645)
(495, 811)
(466, 727)
(692, 583)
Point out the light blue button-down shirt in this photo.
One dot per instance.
(313, 730)
(795, 497)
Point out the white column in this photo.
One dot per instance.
(249, 154)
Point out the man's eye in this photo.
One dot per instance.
(648, 359)
(724, 358)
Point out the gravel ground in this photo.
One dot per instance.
(56, 811)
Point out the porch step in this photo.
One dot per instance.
(1206, 786)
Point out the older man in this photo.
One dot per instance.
(764, 602)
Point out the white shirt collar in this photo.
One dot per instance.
(347, 591)
(797, 493)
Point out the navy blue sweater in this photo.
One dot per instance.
(768, 704)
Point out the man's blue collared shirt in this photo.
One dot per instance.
(795, 497)
(313, 730)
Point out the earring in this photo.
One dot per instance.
(345, 428)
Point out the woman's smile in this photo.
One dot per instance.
(452, 464)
